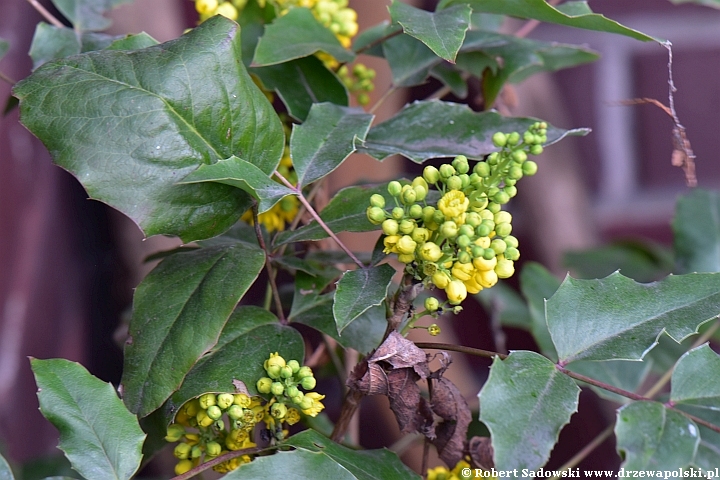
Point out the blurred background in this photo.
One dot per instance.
(68, 265)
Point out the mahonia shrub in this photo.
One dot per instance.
(224, 137)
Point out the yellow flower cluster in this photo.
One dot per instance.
(226, 8)
(463, 243)
(283, 383)
(442, 473)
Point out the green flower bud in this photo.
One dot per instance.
(306, 403)
(273, 371)
(398, 213)
(449, 229)
(511, 241)
(294, 363)
(213, 449)
(535, 150)
(498, 246)
(472, 219)
(427, 213)
(513, 138)
(419, 182)
(465, 179)
(263, 385)
(529, 168)
(499, 139)
(235, 412)
(430, 252)
(511, 190)
(406, 226)
(493, 207)
(464, 257)
(529, 137)
(292, 390)
(489, 254)
(406, 245)
(453, 182)
(463, 241)
(483, 230)
(501, 198)
(460, 163)
(434, 330)
(224, 400)
(196, 451)
(502, 217)
(390, 227)
(512, 253)
(431, 174)
(420, 235)
(304, 372)
(376, 215)
(504, 268)
(174, 432)
(420, 193)
(482, 169)
(286, 372)
(416, 211)
(467, 230)
(431, 304)
(438, 217)
(446, 171)
(214, 412)
(477, 251)
(203, 419)
(308, 383)
(278, 411)
(408, 196)
(377, 200)
(519, 156)
(515, 173)
(207, 400)
(394, 188)
(277, 389)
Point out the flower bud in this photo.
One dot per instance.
(277, 388)
(460, 163)
(431, 174)
(416, 210)
(174, 432)
(513, 138)
(420, 235)
(440, 279)
(390, 226)
(449, 229)
(213, 449)
(292, 390)
(503, 229)
(534, 150)
(529, 168)
(454, 183)
(420, 182)
(519, 156)
(446, 171)
(196, 451)
(456, 292)
(398, 213)
(409, 196)
(243, 400)
(487, 278)
(406, 258)
(406, 226)
(498, 245)
(430, 252)
(482, 169)
(207, 400)
(263, 385)
(432, 304)
(499, 139)
(203, 419)
(214, 412)
(505, 268)
(183, 466)
(278, 411)
(501, 197)
(224, 400)
(434, 330)
(375, 215)
(308, 383)
(394, 188)
(286, 372)
(420, 193)
(406, 245)
(483, 265)
(235, 412)
(377, 200)
(294, 364)
(304, 372)
(512, 253)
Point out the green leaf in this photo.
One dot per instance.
(442, 31)
(252, 26)
(179, 310)
(297, 34)
(326, 139)
(696, 379)
(374, 36)
(87, 15)
(430, 129)
(572, 14)
(696, 229)
(249, 337)
(301, 83)
(486, 21)
(50, 42)
(241, 174)
(616, 318)
(133, 42)
(707, 456)
(626, 375)
(508, 303)
(541, 400)
(97, 433)
(451, 78)
(650, 436)
(642, 261)
(346, 212)
(5, 470)
(537, 284)
(358, 290)
(410, 60)
(129, 125)
(318, 457)
(707, 3)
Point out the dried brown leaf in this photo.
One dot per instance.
(451, 433)
(481, 453)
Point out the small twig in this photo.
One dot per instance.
(337, 363)
(378, 41)
(587, 450)
(268, 266)
(317, 218)
(531, 24)
(7, 79)
(46, 14)
(384, 97)
(349, 406)
(217, 460)
(314, 359)
(461, 349)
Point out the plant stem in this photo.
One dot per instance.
(317, 218)
(461, 349)
(268, 266)
(587, 450)
(217, 460)
(46, 14)
(7, 79)
(378, 41)
(531, 24)
(384, 97)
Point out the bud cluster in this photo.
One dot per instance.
(358, 81)
(443, 473)
(462, 243)
(226, 8)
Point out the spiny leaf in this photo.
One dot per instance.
(241, 174)
(410, 60)
(653, 437)
(295, 35)
(442, 31)
(696, 379)
(541, 400)
(572, 14)
(358, 290)
(179, 310)
(537, 284)
(430, 129)
(97, 433)
(131, 124)
(321, 143)
(615, 318)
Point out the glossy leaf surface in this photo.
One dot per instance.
(131, 124)
(97, 433)
(696, 379)
(541, 400)
(358, 290)
(88, 15)
(615, 318)
(179, 311)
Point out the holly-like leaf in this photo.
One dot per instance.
(241, 174)
(301, 83)
(650, 436)
(318, 457)
(696, 229)
(642, 261)
(696, 379)
(707, 456)
(328, 136)
(358, 290)
(295, 35)
(537, 284)
(88, 15)
(133, 42)
(5, 470)
(249, 337)
(97, 433)
(572, 14)
(179, 310)
(370, 40)
(628, 376)
(346, 212)
(410, 60)
(541, 400)
(615, 318)
(131, 124)
(430, 129)
(442, 31)
(50, 42)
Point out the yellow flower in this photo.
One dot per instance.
(462, 271)
(317, 405)
(483, 242)
(484, 265)
(183, 466)
(206, 7)
(390, 243)
(456, 292)
(453, 204)
(440, 279)
(504, 268)
(406, 245)
(472, 285)
(430, 252)
(226, 9)
(487, 278)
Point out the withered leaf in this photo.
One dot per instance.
(449, 404)
(481, 453)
